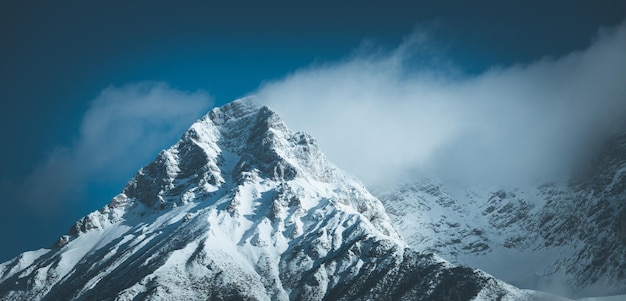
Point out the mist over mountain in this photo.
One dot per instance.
(244, 208)
(563, 236)
(241, 208)
(385, 115)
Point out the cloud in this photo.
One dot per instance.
(407, 112)
(123, 129)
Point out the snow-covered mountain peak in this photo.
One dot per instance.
(241, 208)
(234, 145)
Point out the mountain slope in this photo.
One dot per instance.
(567, 237)
(241, 208)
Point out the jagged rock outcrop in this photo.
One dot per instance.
(566, 236)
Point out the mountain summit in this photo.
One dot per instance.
(241, 208)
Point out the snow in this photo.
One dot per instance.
(72, 253)
(617, 178)
(504, 223)
(179, 257)
(21, 262)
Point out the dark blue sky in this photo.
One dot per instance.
(57, 58)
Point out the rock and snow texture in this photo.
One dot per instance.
(565, 237)
(241, 208)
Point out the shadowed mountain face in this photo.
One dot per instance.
(241, 208)
(567, 237)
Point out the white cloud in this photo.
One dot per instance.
(124, 128)
(380, 119)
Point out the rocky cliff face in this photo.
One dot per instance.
(241, 208)
(565, 237)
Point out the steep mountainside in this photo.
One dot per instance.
(565, 237)
(241, 208)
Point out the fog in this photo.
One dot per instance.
(123, 129)
(406, 112)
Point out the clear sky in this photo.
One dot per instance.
(73, 76)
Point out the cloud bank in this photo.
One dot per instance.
(406, 112)
(124, 128)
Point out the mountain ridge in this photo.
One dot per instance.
(241, 208)
(566, 237)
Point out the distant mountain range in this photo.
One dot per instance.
(567, 237)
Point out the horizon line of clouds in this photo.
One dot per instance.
(383, 117)
(123, 129)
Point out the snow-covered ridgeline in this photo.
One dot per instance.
(241, 207)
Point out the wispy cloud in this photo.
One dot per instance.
(124, 128)
(383, 116)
